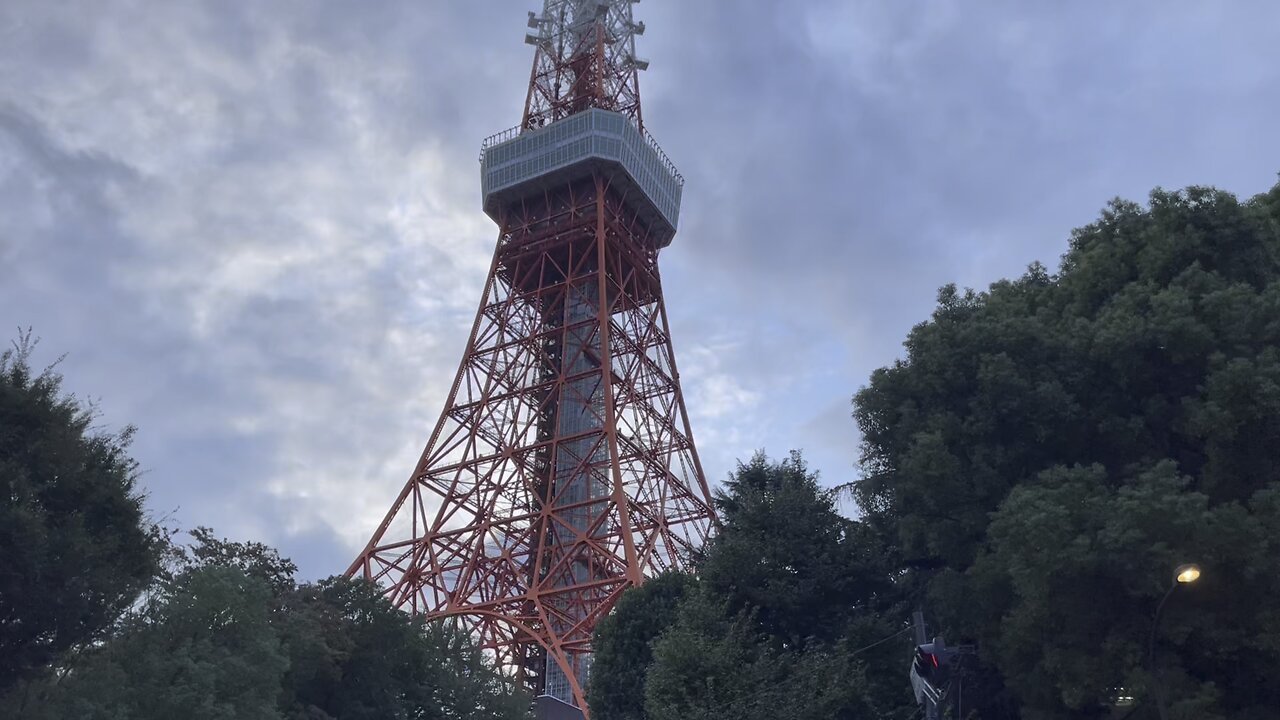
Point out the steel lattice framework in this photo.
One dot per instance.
(562, 470)
(586, 57)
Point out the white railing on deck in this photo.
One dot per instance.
(514, 132)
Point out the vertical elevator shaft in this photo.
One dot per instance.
(580, 467)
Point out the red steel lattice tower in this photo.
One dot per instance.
(562, 470)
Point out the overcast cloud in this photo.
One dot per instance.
(255, 226)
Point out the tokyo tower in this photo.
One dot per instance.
(562, 470)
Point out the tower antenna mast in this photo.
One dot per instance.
(585, 58)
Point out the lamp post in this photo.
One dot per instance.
(1182, 575)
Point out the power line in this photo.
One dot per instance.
(903, 631)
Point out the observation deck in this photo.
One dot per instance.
(518, 165)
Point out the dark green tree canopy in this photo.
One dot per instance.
(353, 655)
(1048, 450)
(623, 645)
(203, 648)
(789, 597)
(254, 559)
(226, 633)
(104, 617)
(77, 548)
(785, 556)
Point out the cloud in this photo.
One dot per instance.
(256, 227)
(247, 252)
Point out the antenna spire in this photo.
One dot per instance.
(585, 57)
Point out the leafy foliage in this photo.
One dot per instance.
(623, 646)
(226, 633)
(211, 630)
(254, 559)
(77, 549)
(789, 595)
(204, 648)
(352, 655)
(1050, 449)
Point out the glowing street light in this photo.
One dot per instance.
(1182, 575)
(1186, 573)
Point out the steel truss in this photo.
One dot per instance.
(562, 470)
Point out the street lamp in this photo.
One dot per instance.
(1186, 574)
(1182, 575)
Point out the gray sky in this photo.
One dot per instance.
(255, 226)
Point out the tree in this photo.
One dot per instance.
(791, 612)
(1049, 449)
(216, 629)
(225, 632)
(353, 656)
(204, 649)
(623, 645)
(75, 547)
(254, 559)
